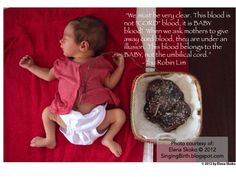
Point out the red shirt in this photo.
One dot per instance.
(81, 83)
(92, 89)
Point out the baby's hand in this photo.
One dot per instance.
(118, 59)
(26, 62)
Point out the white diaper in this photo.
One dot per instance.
(81, 129)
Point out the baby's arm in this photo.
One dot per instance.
(114, 78)
(44, 73)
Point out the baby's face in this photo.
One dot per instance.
(69, 46)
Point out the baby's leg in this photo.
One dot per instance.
(49, 123)
(114, 120)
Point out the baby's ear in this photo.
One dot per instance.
(84, 46)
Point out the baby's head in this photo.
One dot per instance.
(84, 35)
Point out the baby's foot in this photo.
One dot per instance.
(42, 142)
(114, 147)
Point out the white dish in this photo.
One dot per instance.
(147, 131)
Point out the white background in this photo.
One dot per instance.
(105, 169)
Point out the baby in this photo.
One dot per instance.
(84, 88)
